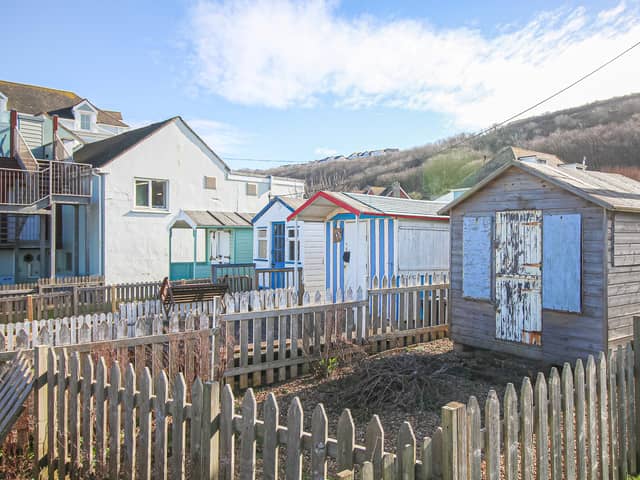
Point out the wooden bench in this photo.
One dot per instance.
(188, 292)
(16, 382)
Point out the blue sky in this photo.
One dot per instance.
(293, 81)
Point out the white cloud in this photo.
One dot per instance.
(283, 53)
(324, 152)
(224, 139)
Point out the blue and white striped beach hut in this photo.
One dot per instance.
(367, 236)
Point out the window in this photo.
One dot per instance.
(292, 245)
(262, 243)
(151, 193)
(252, 189)
(85, 121)
(210, 183)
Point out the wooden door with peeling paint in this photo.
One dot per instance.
(518, 244)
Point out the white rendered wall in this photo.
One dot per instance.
(137, 241)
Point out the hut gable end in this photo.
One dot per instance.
(565, 335)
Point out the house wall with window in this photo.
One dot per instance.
(147, 185)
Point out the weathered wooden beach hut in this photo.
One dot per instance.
(367, 236)
(545, 259)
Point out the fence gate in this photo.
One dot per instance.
(518, 276)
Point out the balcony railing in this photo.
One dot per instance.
(24, 188)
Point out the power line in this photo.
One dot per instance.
(495, 126)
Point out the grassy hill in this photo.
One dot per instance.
(607, 133)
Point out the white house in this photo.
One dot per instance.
(368, 235)
(164, 204)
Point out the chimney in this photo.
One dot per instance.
(395, 189)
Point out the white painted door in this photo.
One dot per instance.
(518, 276)
(220, 247)
(356, 243)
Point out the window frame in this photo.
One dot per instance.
(89, 119)
(149, 207)
(264, 240)
(295, 239)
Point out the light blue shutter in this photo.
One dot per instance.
(562, 262)
(476, 261)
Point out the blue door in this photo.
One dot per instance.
(277, 253)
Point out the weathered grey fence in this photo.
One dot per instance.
(580, 423)
(73, 299)
(270, 337)
(133, 320)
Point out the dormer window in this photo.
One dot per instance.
(85, 121)
(86, 116)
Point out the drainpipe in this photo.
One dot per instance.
(101, 226)
(13, 127)
(296, 258)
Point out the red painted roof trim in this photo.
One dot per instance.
(350, 209)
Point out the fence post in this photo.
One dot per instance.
(40, 398)
(114, 299)
(30, 308)
(636, 380)
(75, 300)
(454, 441)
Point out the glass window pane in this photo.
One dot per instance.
(142, 193)
(262, 249)
(159, 194)
(85, 122)
(262, 233)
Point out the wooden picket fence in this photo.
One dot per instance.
(51, 283)
(136, 319)
(269, 337)
(73, 299)
(578, 424)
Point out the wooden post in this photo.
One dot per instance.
(114, 299)
(454, 441)
(30, 308)
(52, 238)
(636, 379)
(75, 300)
(40, 409)
(195, 251)
(13, 138)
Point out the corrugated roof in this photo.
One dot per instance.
(609, 190)
(33, 99)
(398, 206)
(207, 218)
(325, 204)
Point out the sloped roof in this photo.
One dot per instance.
(608, 190)
(33, 99)
(325, 204)
(102, 152)
(290, 203)
(208, 218)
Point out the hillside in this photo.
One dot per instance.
(607, 133)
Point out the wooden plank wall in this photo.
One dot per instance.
(565, 336)
(623, 267)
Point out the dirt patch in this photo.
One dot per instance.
(409, 384)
